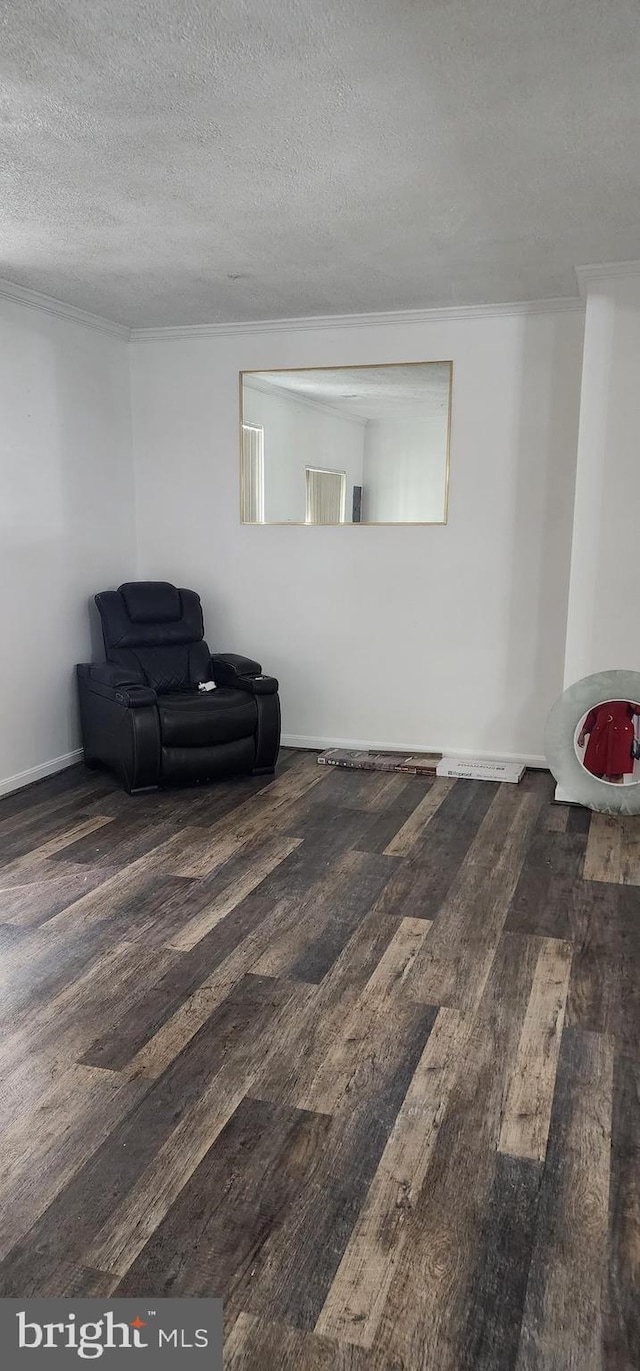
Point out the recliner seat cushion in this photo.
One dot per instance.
(199, 719)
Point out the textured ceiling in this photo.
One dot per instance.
(175, 162)
(367, 392)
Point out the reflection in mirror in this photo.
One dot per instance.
(346, 445)
(607, 742)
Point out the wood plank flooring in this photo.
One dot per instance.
(358, 1053)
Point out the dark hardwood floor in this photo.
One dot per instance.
(357, 1052)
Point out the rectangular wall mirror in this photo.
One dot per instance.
(346, 445)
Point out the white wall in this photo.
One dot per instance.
(298, 435)
(404, 469)
(449, 637)
(66, 517)
(604, 603)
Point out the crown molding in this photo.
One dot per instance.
(33, 299)
(188, 332)
(598, 272)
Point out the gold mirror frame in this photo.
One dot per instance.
(350, 366)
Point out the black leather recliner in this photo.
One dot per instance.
(141, 711)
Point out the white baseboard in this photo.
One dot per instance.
(37, 773)
(366, 745)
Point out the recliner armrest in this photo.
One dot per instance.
(117, 683)
(241, 673)
(110, 674)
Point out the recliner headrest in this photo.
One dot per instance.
(151, 602)
(149, 614)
